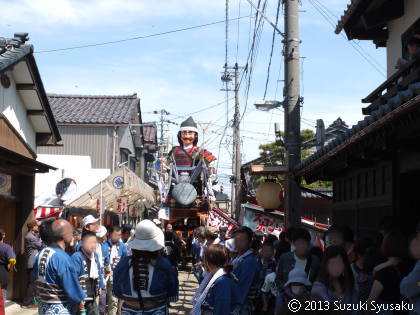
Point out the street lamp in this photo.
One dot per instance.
(265, 105)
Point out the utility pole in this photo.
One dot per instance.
(236, 158)
(236, 195)
(292, 103)
(163, 124)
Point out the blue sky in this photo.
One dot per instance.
(181, 72)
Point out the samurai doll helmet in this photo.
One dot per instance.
(188, 125)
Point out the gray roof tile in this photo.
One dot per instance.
(94, 109)
(384, 109)
(11, 57)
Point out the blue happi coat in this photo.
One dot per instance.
(220, 299)
(247, 271)
(56, 281)
(163, 287)
(106, 252)
(79, 260)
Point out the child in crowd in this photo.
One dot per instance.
(363, 277)
(296, 288)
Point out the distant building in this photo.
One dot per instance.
(337, 128)
(100, 135)
(99, 127)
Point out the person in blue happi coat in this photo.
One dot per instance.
(145, 281)
(215, 294)
(113, 251)
(57, 284)
(88, 268)
(246, 268)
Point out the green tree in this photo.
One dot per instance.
(273, 154)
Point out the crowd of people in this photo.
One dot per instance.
(289, 274)
(126, 270)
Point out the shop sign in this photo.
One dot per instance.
(261, 222)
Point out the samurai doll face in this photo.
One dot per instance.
(188, 137)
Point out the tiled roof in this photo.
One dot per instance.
(11, 57)
(93, 109)
(359, 130)
(351, 8)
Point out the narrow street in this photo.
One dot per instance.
(187, 285)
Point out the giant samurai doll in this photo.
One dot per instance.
(191, 169)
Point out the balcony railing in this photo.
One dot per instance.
(399, 81)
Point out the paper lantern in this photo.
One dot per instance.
(269, 195)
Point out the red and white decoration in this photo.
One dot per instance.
(107, 220)
(75, 221)
(41, 213)
(218, 218)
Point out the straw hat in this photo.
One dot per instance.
(147, 237)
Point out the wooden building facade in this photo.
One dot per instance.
(26, 122)
(375, 165)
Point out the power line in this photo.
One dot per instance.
(226, 32)
(203, 109)
(253, 53)
(140, 37)
(357, 47)
(237, 40)
(353, 41)
(272, 48)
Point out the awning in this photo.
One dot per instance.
(122, 191)
(14, 163)
(268, 221)
(41, 213)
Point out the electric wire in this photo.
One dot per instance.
(332, 14)
(363, 54)
(202, 110)
(139, 37)
(272, 48)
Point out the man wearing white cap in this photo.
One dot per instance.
(90, 223)
(145, 281)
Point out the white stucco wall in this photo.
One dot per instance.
(396, 29)
(13, 108)
(76, 167)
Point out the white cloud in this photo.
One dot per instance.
(106, 12)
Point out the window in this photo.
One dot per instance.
(344, 189)
(374, 182)
(123, 156)
(133, 164)
(412, 31)
(366, 184)
(383, 179)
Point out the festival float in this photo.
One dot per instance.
(189, 173)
